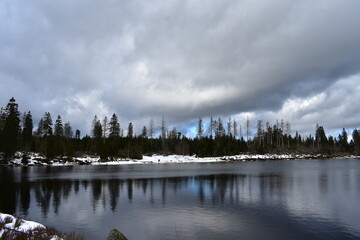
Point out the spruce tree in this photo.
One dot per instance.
(27, 131)
(130, 130)
(2, 126)
(2, 119)
(114, 129)
(47, 125)
(98, 131)
(93, 126)
(59, 129)
(11, 129)
(356, 139)
(77, 134)
(344, 141)
(40, 130)
(144, 132)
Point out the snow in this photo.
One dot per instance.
(25, 226)
(38, 159)
(55, 238)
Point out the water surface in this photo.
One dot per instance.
(303, 199)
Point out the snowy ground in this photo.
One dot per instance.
(38, 159)
(18, 225)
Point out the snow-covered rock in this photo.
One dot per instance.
(11, 226)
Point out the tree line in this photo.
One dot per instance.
(109, 140)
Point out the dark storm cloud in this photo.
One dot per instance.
(178, 59)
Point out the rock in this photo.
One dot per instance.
(114, 234)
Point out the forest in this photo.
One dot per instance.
(108, 140)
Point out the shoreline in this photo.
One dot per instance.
(36, 159)
(12, 227)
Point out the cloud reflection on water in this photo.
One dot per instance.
(303, 197)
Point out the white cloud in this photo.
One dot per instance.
(182, 60)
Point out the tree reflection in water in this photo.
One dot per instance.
(51, 192)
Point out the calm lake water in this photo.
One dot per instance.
(304, 199)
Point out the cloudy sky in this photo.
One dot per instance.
(292, 60)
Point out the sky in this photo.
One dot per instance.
(181, 60)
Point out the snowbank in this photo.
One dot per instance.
(38, 159)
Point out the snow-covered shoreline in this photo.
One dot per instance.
(36, 159)
(11, 225)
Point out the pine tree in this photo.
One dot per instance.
(114, 128)
(320, 137)
(59, 129)
(77, 134)
(47, 124)
(11, 129)
(97, 131)
(356, 139)
(173, 133)
(344, 141)
(144, 132)
(93, 126)
(2, 119)
(2, 126)
(130, 130)
(27, 131)
(40, 130)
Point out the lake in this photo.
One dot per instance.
(298, 199)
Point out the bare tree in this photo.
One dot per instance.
(219, 130)
(240, 132)
(163, 129)
(229, 132)
(211, 127)
(200, 128)
(68, 132)
(282, 127)
(234, 128)
(151, 128)
(288, 132)
(247, 129)
(268, 133)
(105, 127)
(260, 132)
(163, 135)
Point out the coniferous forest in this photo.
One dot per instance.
(53, 137)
